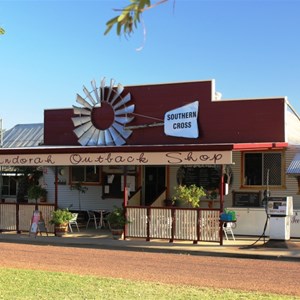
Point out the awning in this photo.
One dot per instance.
(294, 167)
(171, 154)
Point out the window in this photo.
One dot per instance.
(113, 180)
(9, 186)
(87, 174)
(261, 169)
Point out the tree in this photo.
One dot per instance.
(130, 16)
(81, 189)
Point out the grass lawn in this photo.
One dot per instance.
(28, 284)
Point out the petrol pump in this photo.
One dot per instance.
(279, 211)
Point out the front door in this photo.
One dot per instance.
(155, 182)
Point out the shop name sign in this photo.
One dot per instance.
(120, 158)
(182, 121)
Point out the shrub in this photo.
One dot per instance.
(189, 194)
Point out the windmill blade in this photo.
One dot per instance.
(77, 121)
(108, 138)
(118, 140)
(112, 83)
(88, 94)
(85, 138)
(119, 128)
(79, 131)
(124, 120)
(95, 89)
(102, 86)
(94, 138)
(101, 139)
(81, 111)
(83, 102)
(119, 91)
(126, 99)
(126, 110)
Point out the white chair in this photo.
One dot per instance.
(105, 222)
(73, 221)
(227, 228)
(92, 217)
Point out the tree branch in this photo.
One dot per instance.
(129, 17)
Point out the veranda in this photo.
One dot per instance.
(171, 223)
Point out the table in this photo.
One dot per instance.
(101, 212)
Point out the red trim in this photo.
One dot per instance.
(260, 146)
(146, 148)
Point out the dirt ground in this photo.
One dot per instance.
(243, 274)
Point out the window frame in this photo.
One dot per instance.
(118, 172)
(9, 186)
(282, 185)
(84, 181)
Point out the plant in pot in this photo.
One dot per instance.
(189, 195)
(117, 220)
(212, 196)
(60, 219)
(37, 192)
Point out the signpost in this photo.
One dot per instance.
(37, 224)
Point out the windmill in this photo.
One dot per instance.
(102, 116)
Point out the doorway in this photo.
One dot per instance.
(155, 182)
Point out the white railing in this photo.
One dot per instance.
(210, 225)
(137, 226)
(186, 225)
(17, 216)
(8, 217)
(160, 221)
(174, 223)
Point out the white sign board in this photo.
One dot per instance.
(182, 121)
(119, 158)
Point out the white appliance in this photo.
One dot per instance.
(280, 210)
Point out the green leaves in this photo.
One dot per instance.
(189, 194)
(2, 31)
(129, 17)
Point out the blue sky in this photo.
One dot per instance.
(52, 48)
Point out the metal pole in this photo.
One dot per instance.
(56, 188)
(221, 204)
(222, 190)
(1, 133)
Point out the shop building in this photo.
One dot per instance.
(150, 138)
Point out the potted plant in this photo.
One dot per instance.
(37, 192)
(211, 195)
(189, 195)
(117, 220)
(60, 219)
